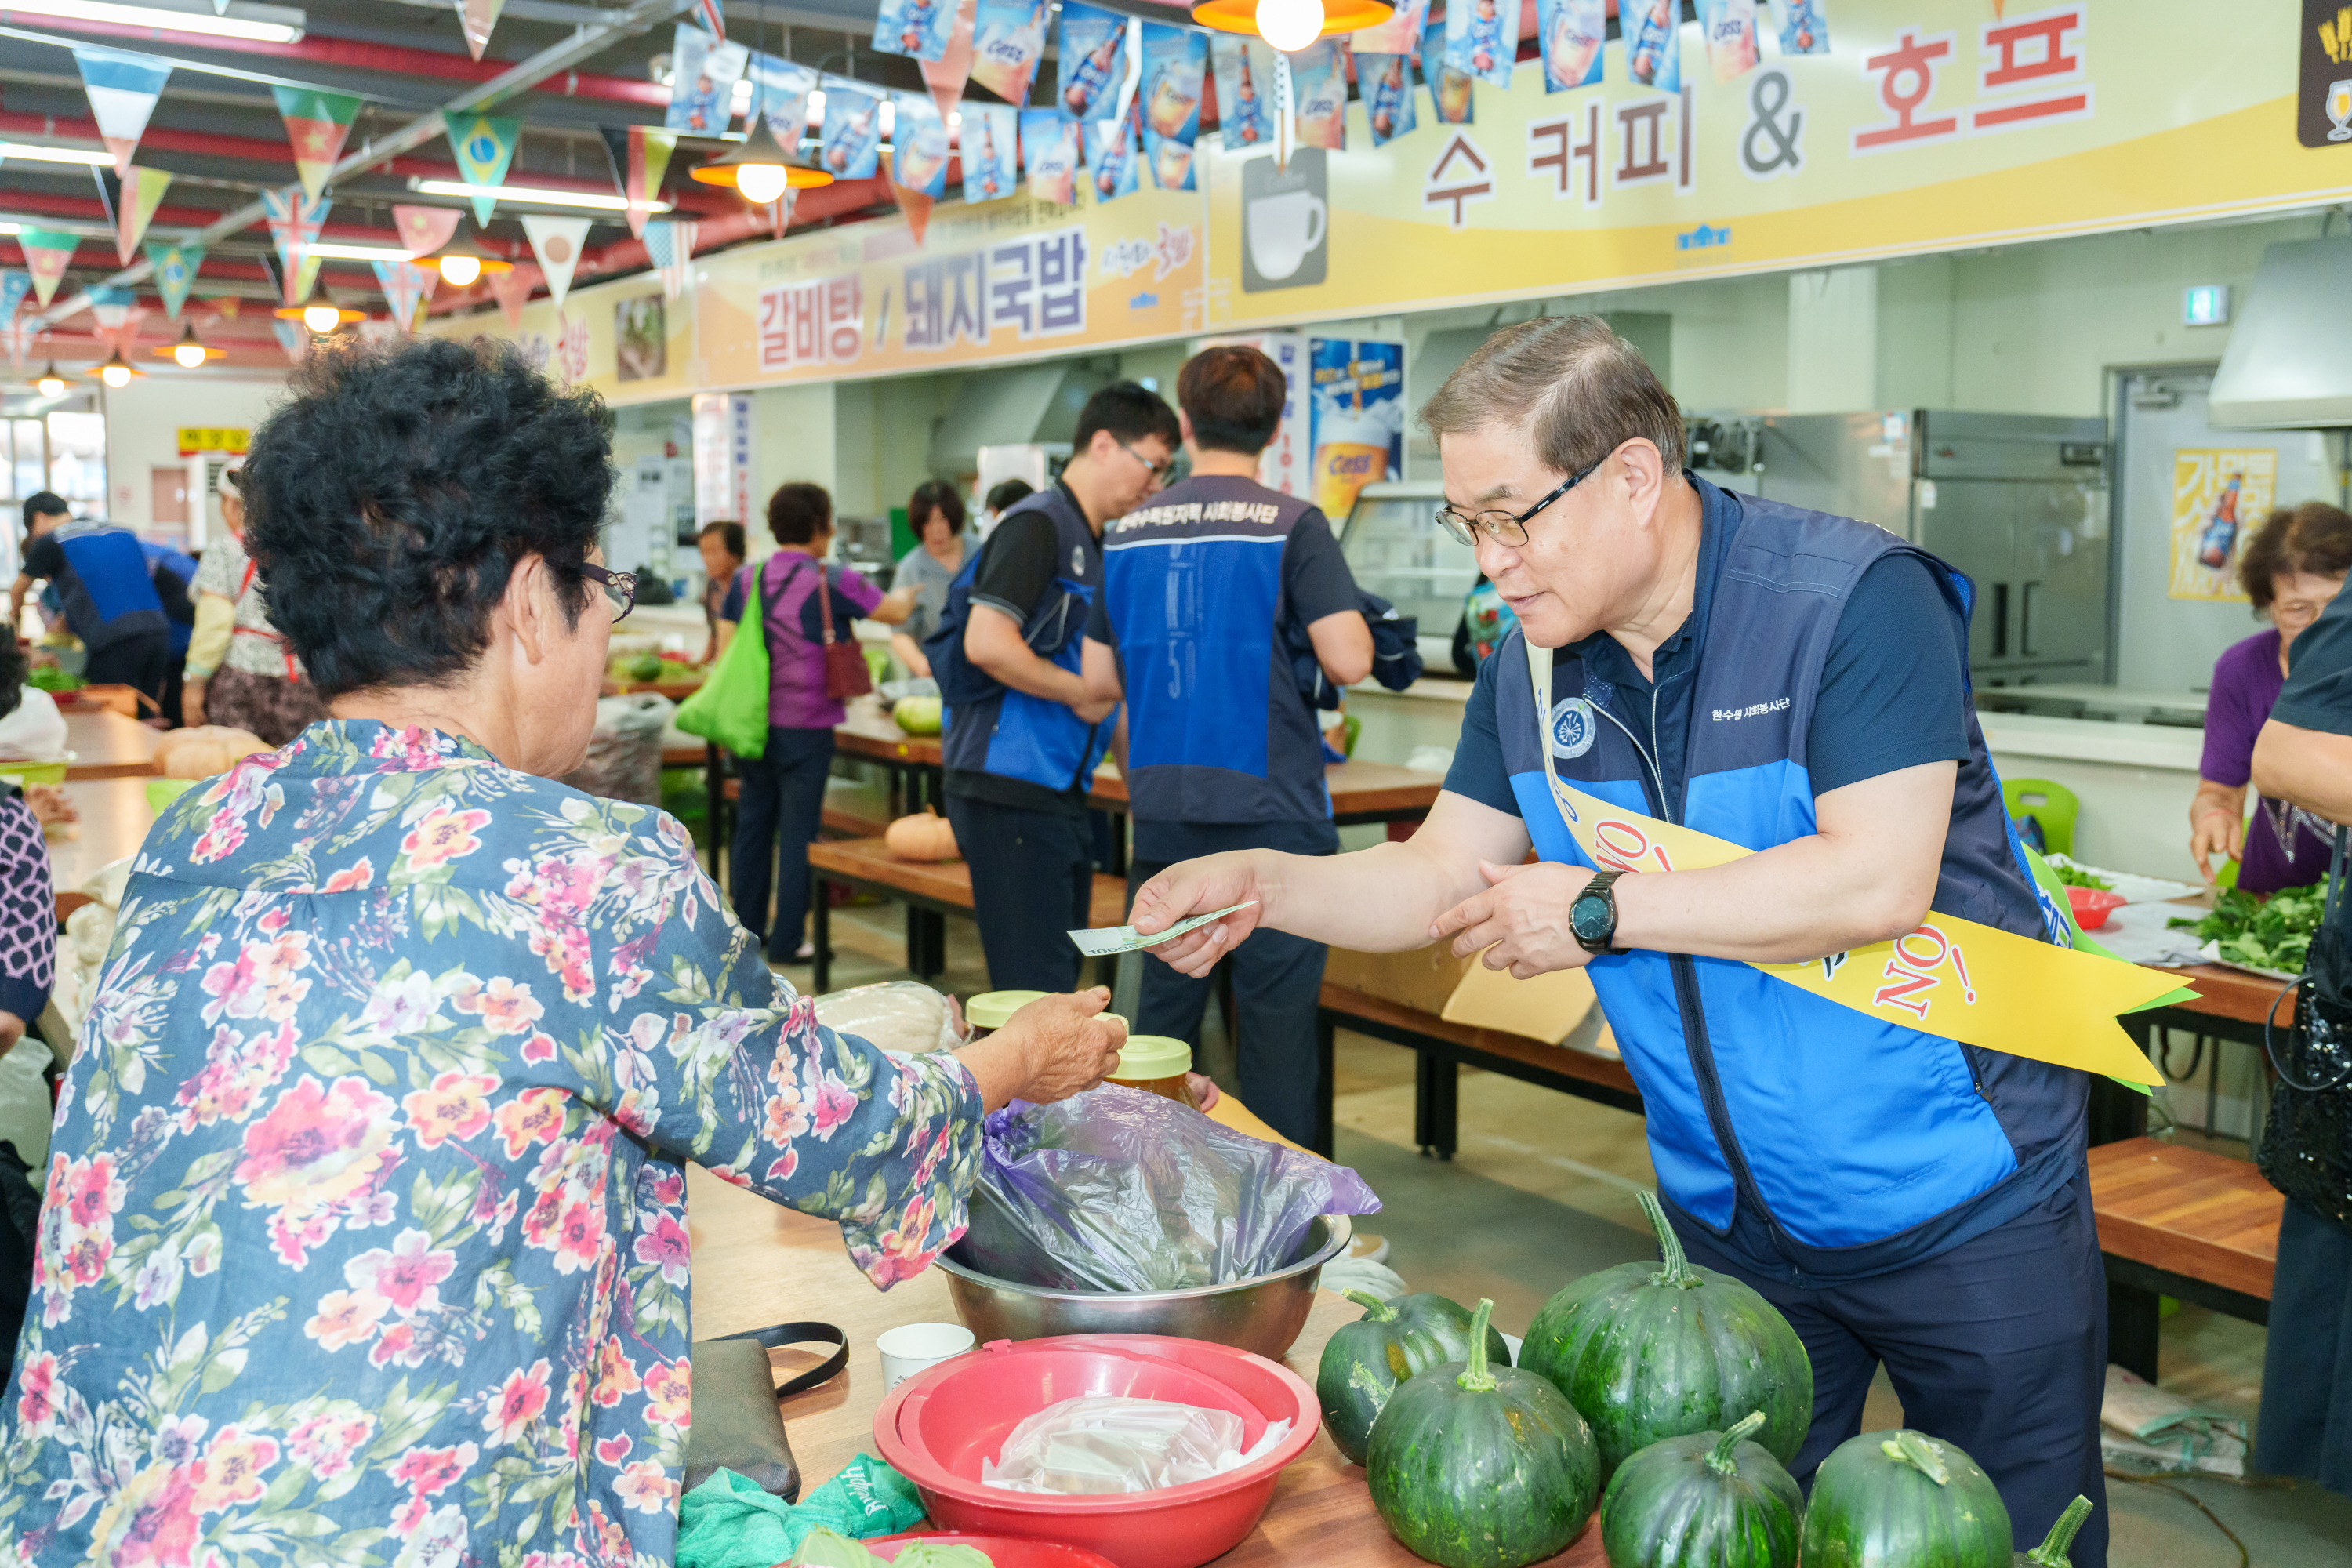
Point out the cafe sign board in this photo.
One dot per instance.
(199, 440)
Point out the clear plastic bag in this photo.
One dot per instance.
(903, 1016)
(1100, 1444)
(1120, 1190)
(625, 751)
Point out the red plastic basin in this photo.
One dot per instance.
(938, 1426)
(2092, 905)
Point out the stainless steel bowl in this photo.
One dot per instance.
(1263, 1313)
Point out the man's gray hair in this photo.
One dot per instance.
(1578, 389)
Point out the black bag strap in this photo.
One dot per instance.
(777, 1337)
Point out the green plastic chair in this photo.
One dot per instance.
(2053, 805)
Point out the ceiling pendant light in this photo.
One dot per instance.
(1290, 25)
(116, 372)
(320, 316)
(760, 168)
(189, 353)
(462, 261)
(51, 383)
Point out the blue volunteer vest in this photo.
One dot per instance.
(1842, 1147)
(110, 594)
(1217, 729)
(987, 727)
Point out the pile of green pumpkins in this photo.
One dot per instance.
(1681, 1392)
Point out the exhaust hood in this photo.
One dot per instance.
(1033, 405)
(2289, 363)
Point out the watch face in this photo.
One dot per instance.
(1589, 916)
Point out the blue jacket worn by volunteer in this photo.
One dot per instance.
(1018, 766)
(1871, 1180)
(107, 588)
(1222, 749)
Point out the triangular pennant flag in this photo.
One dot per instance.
(475, 20)
(512, 292)
(175, 270)
(556, 241)
(293, 337)
(142, 193)
(649, 160)
(916, 207)
(294, 222)
(14, 286)
(110, 306)
(485, 145)
(424, 230)
(713, 19)
(46, 252)
(947, 75)
(122, 88)
(669, 246)
(19, 336)
(316, 124)
(405, 285)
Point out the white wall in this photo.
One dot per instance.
(143, 428)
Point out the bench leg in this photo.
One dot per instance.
(2132, 1328)
(2116, 1112)
(1436, 1104)
(820, 896)
(1325, 1035)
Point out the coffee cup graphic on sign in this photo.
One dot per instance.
(1286, 221)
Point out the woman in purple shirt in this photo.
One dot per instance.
(2291, 568)
(784, 790)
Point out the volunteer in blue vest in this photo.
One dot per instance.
(108, 590)
(1796, 684)
(1222, 748)
(1021, 737)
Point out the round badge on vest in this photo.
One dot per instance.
(1572, 729)
(1077, 560)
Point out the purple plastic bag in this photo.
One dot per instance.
(1121, 1191)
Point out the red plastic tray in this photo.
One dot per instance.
(1004, 1551)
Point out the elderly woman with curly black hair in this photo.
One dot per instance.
(365, 1215)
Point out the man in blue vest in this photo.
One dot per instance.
(1223, 752)
(107, 588)
(1796, 684)
(1020, 737)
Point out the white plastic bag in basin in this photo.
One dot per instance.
(1105, 1443)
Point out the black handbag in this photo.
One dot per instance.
(737, 1425)
(2307, 1151)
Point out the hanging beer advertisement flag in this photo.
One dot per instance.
(556, 241)
(1451, 91)
(512, 292)
(142, 193)
(945, 75)
(407, 286)
(1729, 29)
(316, 126)
(475, 20)
(1170, 161)
(1175, 64)
(294, 222)
(1397, 36)
(14, 286)
(123, 89)
(424, 230)
(46, 252)
(1049, 151)
(1092, 62)
(176, 271)
(780, 92)
(485, 145)
(1803, 29)
(920, 139)
(852, 131)
(1386, 82)
(918, 29)
(1571, 34)
(1110, 158)
(1479, 41)
(1246, 102)
(704, 71)
(1653, 45)
(991, 145)
(1318, 94)
(1008, 39)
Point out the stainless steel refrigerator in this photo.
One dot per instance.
(2018, 502)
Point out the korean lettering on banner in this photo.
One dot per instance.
(817, 323)
(1656, 141)
(196, 439)
(2030, 71)
(1036, 285)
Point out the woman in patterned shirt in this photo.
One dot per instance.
(364, 1237)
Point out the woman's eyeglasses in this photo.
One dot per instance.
(620, 587)
(1509, 527)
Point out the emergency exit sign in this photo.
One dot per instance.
(198, 439)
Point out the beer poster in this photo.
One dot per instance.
(2220, 496)
(1356, 419)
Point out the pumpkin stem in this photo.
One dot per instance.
(1677, 1271)
(1910, 1448)
(1375, 1310)
(2052, 1553)
(1719, 1459)
(1474, 1378)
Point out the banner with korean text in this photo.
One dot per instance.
(1928, 125)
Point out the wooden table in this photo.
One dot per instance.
(109, 745)
(2229, 1004)
(2184, 1223)
(755, 1264)
(931, 890)
(114, 822)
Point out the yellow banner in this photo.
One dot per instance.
(1948, 976)
(196, 438)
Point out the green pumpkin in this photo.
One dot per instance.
(1364, 1361)
(1889, 1499)
(2052, 1553)
(1646, 1353)
(1708, 1500)
(1476, 1466)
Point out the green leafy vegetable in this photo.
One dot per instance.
(941, 1554)
(824, 1549)
(2272, 933)
(50, 678)
(2073, 875)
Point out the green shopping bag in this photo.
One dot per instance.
(731, 707)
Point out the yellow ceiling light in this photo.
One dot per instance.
(320, 316)
(51, 383)
(461, 262)
(1291, 25)
(188, 352)
(115, 371)
(760, 168)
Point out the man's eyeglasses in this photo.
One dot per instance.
(1509, 527)
(620, 587)
(1158, 472)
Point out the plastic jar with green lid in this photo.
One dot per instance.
(987, 1012)
(1156, 1064)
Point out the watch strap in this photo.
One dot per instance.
(1600, 886)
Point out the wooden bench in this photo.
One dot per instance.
(931, 890)
(2182, 1223)
(1442, 1049)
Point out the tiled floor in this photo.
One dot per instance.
(1541, 1192)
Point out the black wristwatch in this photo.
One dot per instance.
(1593, 916)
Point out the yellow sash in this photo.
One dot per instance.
(1950, 977)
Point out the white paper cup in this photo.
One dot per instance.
(910, 1348)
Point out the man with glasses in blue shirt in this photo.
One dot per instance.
(1796, 684)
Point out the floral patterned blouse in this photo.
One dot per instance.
(364, 1237)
